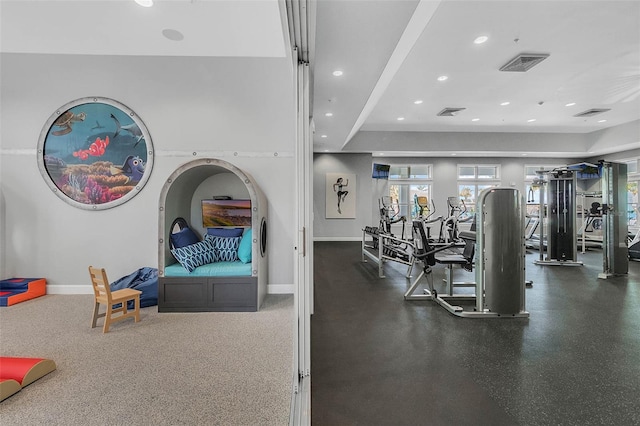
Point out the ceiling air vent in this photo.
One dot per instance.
(524, 62)
(591, 112)
(450, 112)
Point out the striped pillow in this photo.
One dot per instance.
(195, 255)
(226, 247)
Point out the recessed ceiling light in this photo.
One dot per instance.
(481, 39)
(326, 150)
(524, 155)
(418, 101)
(323, 136)
(337, 73)
(505, 103)
(531, 120)
(601, 121)
(570, 104)
(442, 78)
(145, 3)
(328, 114)
(400, 118)
(454, 154)
(172, 34)
(475, 119)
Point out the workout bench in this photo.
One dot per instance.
(465, 260)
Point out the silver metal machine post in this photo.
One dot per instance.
(615, 250)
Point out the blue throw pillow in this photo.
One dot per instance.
(226, 247)
(194, 255)
(225, 232)
(185, 237)
(244, 249)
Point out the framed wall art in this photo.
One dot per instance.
(95, 153)
(340, 196)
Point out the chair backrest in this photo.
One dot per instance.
(469, 250)
(100, 283)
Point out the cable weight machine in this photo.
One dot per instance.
(559, 210)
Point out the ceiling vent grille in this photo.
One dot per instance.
(591, 112)
(450, 112)
(524, 62)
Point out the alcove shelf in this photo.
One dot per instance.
(181, 196)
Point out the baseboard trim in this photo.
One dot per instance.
(280, 289)
(69, 289)
(337, 239)
(81, 289)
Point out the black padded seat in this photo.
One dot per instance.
(468, 235)
(456, 259)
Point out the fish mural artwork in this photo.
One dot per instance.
(133, 169)
(95, 153)
(65, 121)
(133, 129)
(96, 149)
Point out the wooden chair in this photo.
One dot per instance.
(105, 296)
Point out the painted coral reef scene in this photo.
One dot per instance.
(95, 153)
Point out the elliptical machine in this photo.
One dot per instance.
(449, 229)
(389, 215)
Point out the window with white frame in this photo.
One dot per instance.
(633, 184)
(407, 182)
(472, 179)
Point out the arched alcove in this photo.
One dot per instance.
(181, 196)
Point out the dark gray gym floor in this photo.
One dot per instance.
(379, 360)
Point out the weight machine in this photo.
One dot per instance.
(561, 243)
(500, 264)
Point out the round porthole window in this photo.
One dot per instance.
(95, 153)
(263, 237)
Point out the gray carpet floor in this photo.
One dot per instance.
(169, 369)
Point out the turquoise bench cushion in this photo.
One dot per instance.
(216, 269)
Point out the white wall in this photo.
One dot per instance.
(444, 185)
(618, 156)
(366, 204)
(237, 109)
(615, 139)
(2, 227)
(439, 142)
(611, 140)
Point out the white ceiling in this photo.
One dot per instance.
(391, 53)
(239, 28)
